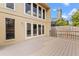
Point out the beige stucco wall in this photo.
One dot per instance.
(20, 19)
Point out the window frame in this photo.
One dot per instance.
(9, 29)
(44, 15)
(34, 34)
(43, 29)
(10, 8)
(27, 29)
(26, 8)
(27, 37)
(38, 12)
(41, 11)
(39, 29)
(36, 9)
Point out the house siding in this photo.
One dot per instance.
(20, 20)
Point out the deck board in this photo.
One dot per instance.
(44, 46)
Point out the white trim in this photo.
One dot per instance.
(37, 11)
(31, 29)
(37, 29)
(41, 28)
(26, 37)
(35, 36)
(5, 29)
(45, 14)
(31, 9)
(25, 12)
(24, 8)
(10, 8)
(42, 12)
(25, 30)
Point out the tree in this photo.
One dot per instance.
(62, 22)
(75, 18)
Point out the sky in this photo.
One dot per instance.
(67, 9)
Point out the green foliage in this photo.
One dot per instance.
(62, 22)
(75, 19)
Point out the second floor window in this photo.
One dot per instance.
(10, 5)
(28, 8)
(43, 14)
(34, 9)
(39, 12)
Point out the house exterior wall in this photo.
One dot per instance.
(20, 20)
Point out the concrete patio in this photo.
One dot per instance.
(43, 46)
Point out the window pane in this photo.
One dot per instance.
(34, 9)
(28, 29)
(10, 5)
(34, 29)
(10, 28)
(39, 12)
(42, 29)
(39, 29)
(28, 8)
(43, 14)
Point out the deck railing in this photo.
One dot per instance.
(68, 34)
(65, 34)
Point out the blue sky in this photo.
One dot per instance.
(67, 9)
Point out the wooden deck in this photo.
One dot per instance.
(59, 47)
(44, 46)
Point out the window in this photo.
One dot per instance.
(34, 9)
(43, 14)
(28, 29)
(34, 29)
(28, 8)
(10, 28)
(39, 14)
(42, 29)
(10, 5)
(39, 29)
